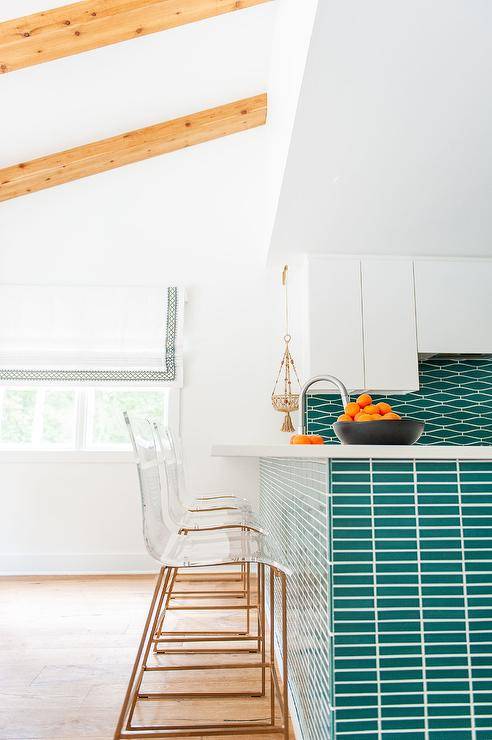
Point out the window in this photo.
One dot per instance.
(75, 419)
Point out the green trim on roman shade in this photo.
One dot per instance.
(167, 370)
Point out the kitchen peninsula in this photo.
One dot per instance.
(390, 602)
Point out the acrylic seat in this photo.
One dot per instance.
(187, 551)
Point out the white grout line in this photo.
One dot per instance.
(467, 617)
(375, 597)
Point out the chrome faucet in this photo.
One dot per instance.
(327, 379)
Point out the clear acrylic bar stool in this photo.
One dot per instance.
(177, 518)
(185, 521)
(216, 514)
(216, 548)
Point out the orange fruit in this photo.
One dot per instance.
(371, 409)
(364, 400)
(383, 407)
(364, 417)
(376, 417)
(316, 439)
(300, 439)
(344, 417)
(391, 416)
(356, 417)
(352, 409)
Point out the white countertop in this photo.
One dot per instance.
(423, 452)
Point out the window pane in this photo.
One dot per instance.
(17, 417)
(108, 424)
(59, 418)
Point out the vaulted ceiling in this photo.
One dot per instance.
(378, 137)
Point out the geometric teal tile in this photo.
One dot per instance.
(454, 401)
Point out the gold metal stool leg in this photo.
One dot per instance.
(246, 727)
(164, 638)
(154, 610)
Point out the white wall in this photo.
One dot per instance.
(196, 217)
(391, 151)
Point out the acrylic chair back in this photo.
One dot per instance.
(157, 526)
(174, 471)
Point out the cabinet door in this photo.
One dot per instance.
(390, 336)
(454, 305)
(334, 321)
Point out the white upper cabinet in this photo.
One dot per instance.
(390, 336)
(454, 305)
(334, 343)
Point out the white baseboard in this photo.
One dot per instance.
(22, 564)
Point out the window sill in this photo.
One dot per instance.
(104, 457)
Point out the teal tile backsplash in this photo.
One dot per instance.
(454, 401)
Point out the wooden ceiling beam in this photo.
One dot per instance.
(99, 156)
(72, 29)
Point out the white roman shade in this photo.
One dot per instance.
(91, 335)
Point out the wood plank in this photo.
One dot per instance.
(66, 678)
(107, 154)
(72, 29)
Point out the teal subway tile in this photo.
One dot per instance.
(437, 487)
(390, 489)
(355, 714)
(356, 663)
(399, 590)
(475, 465)
(349, 500)
(400, 500)
(392, 466)
(349, 651)
(351, 477)
(437, 476)
(402, 724)
(444, 466)
(341, 488)
(389, 477)
(395, 521)
(443, 698)
(357, 465)
(355, 727)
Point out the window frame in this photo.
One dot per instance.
(82, 449)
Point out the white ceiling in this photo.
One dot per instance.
(199, 204)
(391, 151)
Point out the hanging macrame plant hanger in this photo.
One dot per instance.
(283, 399)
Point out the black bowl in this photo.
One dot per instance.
(395, 432)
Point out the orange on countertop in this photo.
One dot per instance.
(307, 439)
(300, 439)
(364, 400)
(352, 409)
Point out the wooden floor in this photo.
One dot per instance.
(66, 650)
